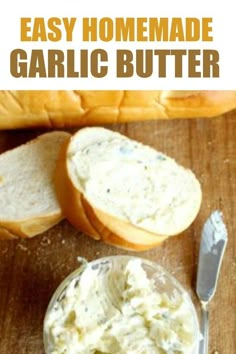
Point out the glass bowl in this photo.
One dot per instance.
(164, 284)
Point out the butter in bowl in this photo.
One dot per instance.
(121, 304)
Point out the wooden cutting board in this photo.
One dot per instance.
(30, 270)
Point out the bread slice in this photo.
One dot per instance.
(123, 192)
(28, 204)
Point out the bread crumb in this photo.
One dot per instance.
(63, 241)
(45, 242)
(22, 247)
(1, 179)
(216, 352)
(226, 161)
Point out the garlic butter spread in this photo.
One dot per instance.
(120, 312)
(134, 182)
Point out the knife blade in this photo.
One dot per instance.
(212, 247)
(213, 243)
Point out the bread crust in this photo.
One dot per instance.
(59, 109)
(120, 233)
(29, 227)
(96, 223)
(6, 234)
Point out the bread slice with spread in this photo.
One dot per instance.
(123, 192)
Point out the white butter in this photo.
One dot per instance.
(119, 312)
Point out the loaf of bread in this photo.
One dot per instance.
(122, 192)
(58, 109)
(28, 203)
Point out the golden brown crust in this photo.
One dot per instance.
(29, 227)
(204, 104)
(6, 234)
(120, 233)
(28, 109)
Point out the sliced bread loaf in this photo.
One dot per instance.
(123, 192)
(28, 204)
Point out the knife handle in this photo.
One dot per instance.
(203, 346)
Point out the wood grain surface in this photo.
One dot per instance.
(30, 270)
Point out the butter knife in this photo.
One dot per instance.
(212, 247)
